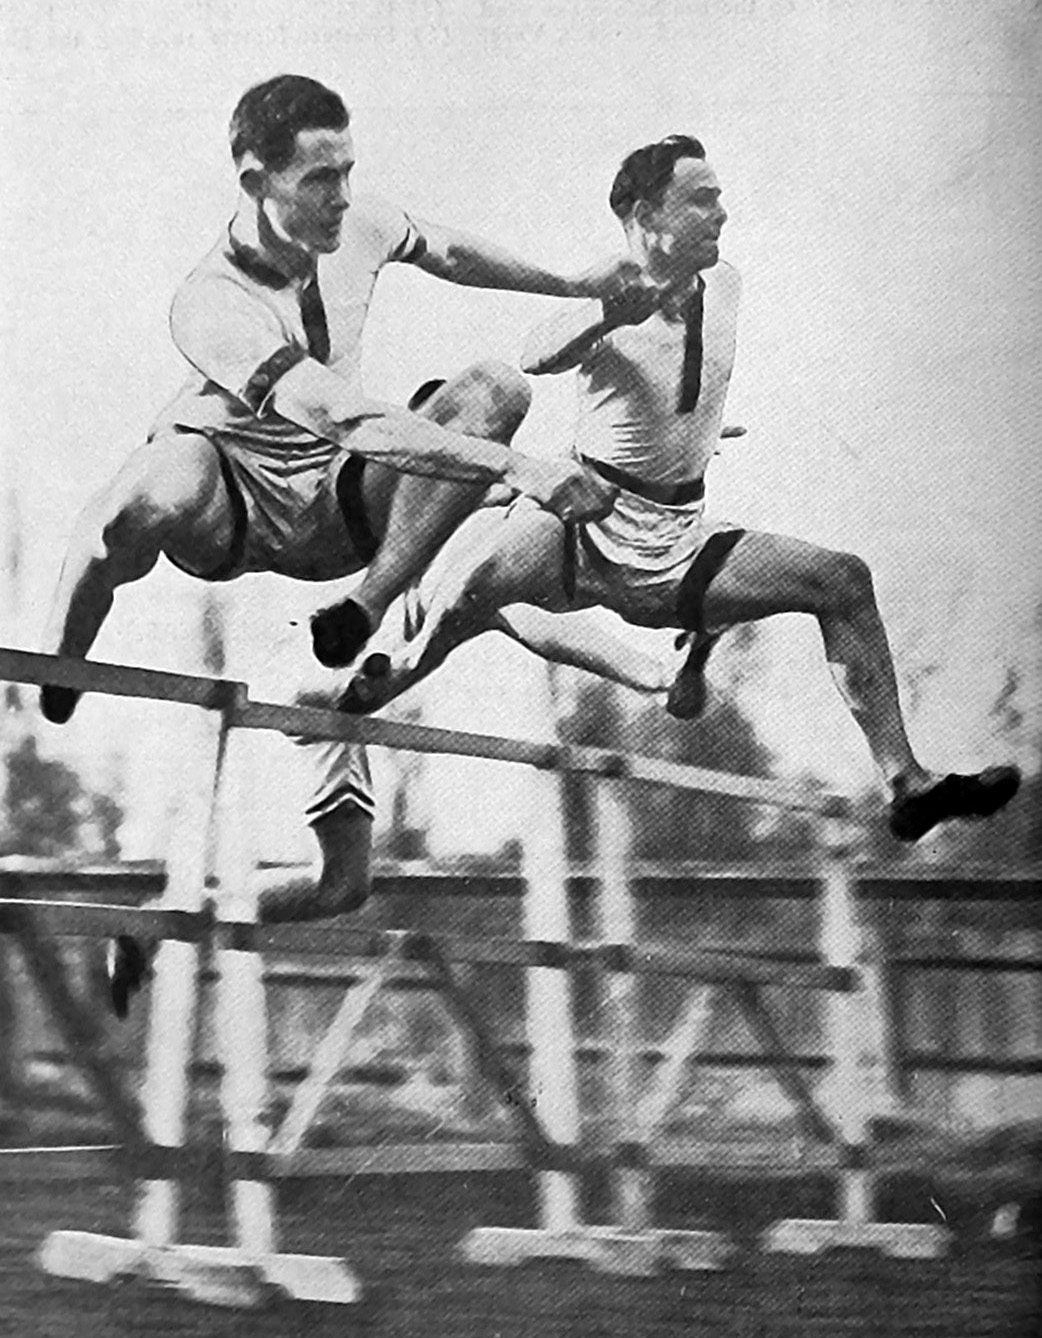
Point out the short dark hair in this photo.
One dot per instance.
(645, 173)
(269, 116)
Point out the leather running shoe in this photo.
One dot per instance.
(58, 703)
(978, 796)
(365, 692)
(127, 964)
(339, 633)
(686, 699)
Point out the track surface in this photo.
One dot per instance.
(400, 1234)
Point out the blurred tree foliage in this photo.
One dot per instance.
(48, 812)
(673, 824)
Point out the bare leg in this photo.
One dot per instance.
(342, 884)
(414, 515)
(168, 497)
(501, 556)
(768, 574)
(343, 881)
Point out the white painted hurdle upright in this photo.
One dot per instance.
(853, 1065)
(553, 1078)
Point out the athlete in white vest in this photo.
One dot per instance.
(653, 369)
(272, 458)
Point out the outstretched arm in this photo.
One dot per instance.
(320, 401)
(462, 258)
(562, 342)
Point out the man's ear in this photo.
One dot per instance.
(642, 216)
(645, 219)
(253, 175)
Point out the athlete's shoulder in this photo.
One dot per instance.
(214, 270)
(217, 302)
(726, 280)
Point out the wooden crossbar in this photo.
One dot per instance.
(117, 680)
(310, 722)
(70, 919)
(711, 966)
(79, 919)
(307, 722)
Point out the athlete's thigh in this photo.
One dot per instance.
(172, 488)
(409, 494)
(501, 555)
(765, 574)
(379, 485)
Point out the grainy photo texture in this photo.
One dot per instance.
(520, 640)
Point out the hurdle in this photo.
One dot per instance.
(206, 897)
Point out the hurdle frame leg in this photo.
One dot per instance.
(252, 1270)
(89, 1256)
(855, 1226)
(553, 1079)
(638, 1246)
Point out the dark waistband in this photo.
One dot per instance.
(667, 494)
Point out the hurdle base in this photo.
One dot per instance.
(606, 1249)
(899, 1240)
(210, 1274)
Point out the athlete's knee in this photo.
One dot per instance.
(511, 396)
(337, 894)
(499, 393)
(846, 581)
(117, 531)
(149, 500)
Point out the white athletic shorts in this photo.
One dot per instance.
(298, 513)
(339, 771)
(650, 562)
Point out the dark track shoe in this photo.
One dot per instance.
(365, 692)
(339, 633)
(978, 796)
(127, 964)
(57, 703)
(686, 699)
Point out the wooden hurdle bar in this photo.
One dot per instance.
(253, 1268)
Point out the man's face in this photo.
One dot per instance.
(683, 231)
(307, 199)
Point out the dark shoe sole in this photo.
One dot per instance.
(687, 696)
(365, 692)
(979, 796)
(127, 965)
(339, 633)
(57, 703)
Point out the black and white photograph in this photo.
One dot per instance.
(521, 668)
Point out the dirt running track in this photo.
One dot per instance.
(400, 1234)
